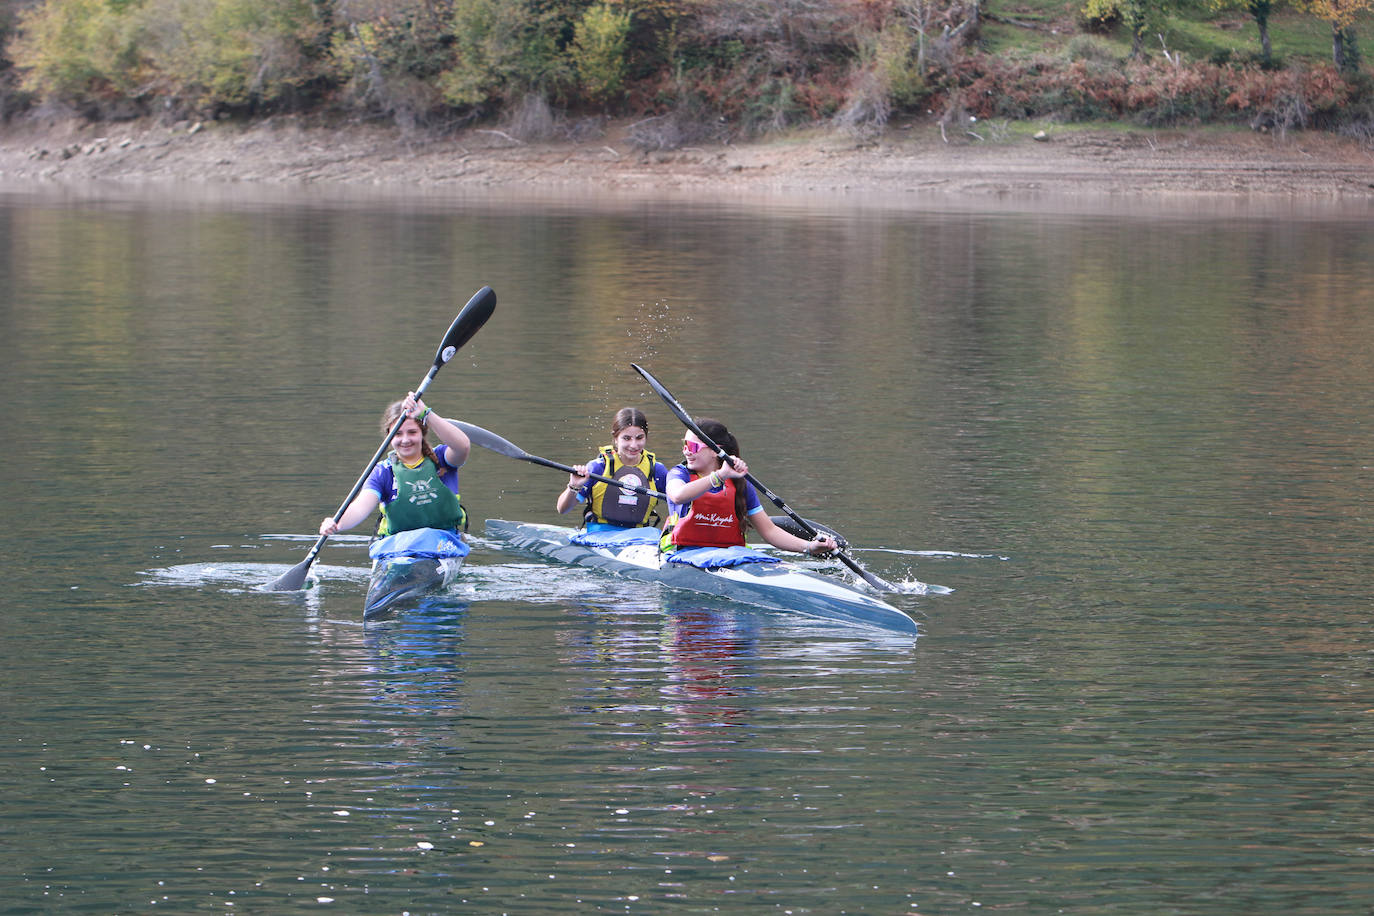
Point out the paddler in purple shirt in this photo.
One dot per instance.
(416, 486)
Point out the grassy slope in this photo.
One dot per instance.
(1200, 33)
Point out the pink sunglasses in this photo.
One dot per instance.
(691, 447)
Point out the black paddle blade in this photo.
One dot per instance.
(672, 403)
(468, 323)
(294, 579)
(487, 439)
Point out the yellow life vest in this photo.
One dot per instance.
(611, 505)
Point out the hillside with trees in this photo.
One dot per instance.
(694, 71)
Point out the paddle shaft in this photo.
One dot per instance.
(786, 524)
(489, 440)
(635, 488)
(725, 458)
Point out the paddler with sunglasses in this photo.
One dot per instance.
(709, 501)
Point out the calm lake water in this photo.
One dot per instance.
(1134, 441)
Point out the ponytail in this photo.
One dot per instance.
(717, 433)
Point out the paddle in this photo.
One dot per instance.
(468, 323)
(808, 530)
(489, 440)
(791, 527)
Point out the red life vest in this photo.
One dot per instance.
(710, 520)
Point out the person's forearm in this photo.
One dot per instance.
(449, 434)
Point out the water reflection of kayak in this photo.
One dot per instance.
(772, 583)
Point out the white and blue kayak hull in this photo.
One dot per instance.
(778, 586)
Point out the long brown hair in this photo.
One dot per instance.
(393, 413)
(717, 433)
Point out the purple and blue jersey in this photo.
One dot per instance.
(382, 482)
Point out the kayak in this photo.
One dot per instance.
(397, 579)
(757, 579)
(410, 564)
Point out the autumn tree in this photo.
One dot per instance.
(78, 51)
(388, 54)
(507, 49)
(1345, 53)
(105, 56)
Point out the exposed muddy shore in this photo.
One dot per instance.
(917, 159)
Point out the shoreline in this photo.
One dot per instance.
(914, 160)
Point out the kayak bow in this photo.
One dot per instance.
(397, 579)
(409, 564)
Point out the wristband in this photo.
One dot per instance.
(424, 415)
(716, 481)
(573, 489)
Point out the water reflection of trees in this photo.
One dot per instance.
(900, 372)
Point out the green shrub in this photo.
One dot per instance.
(235, 54)
(894, 65)
(504, 50)
(77, 51)
(598, 51)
